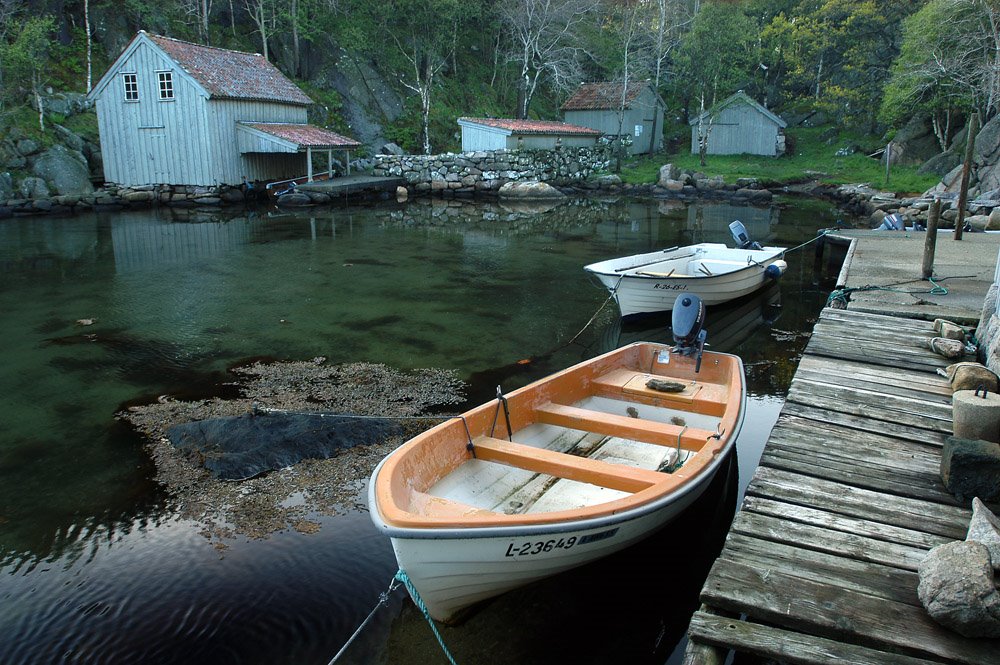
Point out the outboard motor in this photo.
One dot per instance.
(893, 222)
(687, 321)
(742, 236)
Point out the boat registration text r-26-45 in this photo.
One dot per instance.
(670, 287)
(530, 547)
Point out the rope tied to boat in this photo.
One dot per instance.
(399, 579)
(418, 601)
(383, 599)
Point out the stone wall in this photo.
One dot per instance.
(485, 172)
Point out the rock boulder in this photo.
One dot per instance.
(64, 171)
(956, 588)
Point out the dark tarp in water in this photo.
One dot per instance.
(244, 446)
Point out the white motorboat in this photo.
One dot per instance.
(716, 273)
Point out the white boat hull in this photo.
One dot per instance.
(715, 273)
(455, 569)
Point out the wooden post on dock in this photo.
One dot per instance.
(930, 243)
(963, 193)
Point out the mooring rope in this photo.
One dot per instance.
(843, 295)
(807, 242)
(400, 578)
(604, 304)
(383, 599)
(418, 601)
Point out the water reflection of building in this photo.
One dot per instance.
(728, 325)
(710, 223)
(141, 243)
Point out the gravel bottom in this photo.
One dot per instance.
(292, 497)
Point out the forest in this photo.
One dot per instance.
(872, 66)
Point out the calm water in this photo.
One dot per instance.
(96, 566)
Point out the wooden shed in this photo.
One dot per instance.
(176, 113)
(508, 134)
(616, 110)
(739, 125)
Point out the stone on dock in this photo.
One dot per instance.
(956, 588)
(971, 468)
(976, 415)
(971, 375)
(984, 527)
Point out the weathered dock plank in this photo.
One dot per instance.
(831, 611)
(820, 565)
(828, 521)
(787, 646)
(862, 423)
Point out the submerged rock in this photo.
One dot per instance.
(250, 444)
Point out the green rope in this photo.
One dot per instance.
(937, 289)
(402, 577)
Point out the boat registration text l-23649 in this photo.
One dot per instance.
(670, 287)
(530, 547)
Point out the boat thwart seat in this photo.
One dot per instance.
(665, 434)
(563, 465)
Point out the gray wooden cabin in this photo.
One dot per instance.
(599, 106)
(739, 125)
(510, 134)
(174, 113)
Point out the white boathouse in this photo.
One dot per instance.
(171, 112)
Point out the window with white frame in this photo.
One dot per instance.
(131, 85)
(165, 81)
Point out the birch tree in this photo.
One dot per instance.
(264, 15)
(423, 32)
(546, 42)
(199, 12)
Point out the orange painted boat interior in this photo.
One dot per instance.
(401, 486)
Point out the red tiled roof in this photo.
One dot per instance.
(232, 74)
(602, 96)
(305, 135)
(534, 126)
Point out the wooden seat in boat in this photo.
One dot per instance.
(665, 434)
(563, 465)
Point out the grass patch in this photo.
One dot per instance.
(815, 159)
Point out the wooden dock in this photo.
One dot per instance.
(352, 184)
(820, 565)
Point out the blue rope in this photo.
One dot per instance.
(402, 577)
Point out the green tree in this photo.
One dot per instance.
(949, 64)
(424, 33)
(715, 60)
(24, 60)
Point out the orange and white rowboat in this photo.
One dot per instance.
(558, 473)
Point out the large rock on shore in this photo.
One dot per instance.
(529, 190)
(65, 171)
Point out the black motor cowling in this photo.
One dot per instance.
(687, 323)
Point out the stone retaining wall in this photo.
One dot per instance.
(486, 172)
(112, 197)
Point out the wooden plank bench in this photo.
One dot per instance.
(664, 434)
(541, 460)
